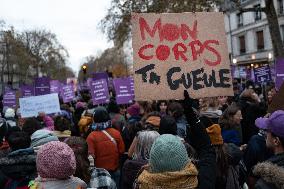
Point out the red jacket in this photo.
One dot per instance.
(105, 152)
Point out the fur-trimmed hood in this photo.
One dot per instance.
(270, 173)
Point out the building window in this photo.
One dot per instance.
(242, 44)
(260, 40)
(280, 7)
(257, 14)
(240, 19)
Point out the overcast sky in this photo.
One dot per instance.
(75, 22)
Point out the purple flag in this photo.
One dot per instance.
(27, 91)
(55, 86)
(123, 91)
(279, 73)
(67, 93)
(262, 74)
(99, 91)
(9, 99)
(42, 86)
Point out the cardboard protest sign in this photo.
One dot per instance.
(99, 92)
(27, 90)
(31, 106)
(55, 86)
(123, 91)
(42, 86)
(178, 51)
(67, 93)
(10, 99)
(262, 74)
(279, 68)
(277, 101)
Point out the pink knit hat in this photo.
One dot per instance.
(134, 110)
(55, 160)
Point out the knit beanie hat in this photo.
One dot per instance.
(9, 113)
(215, 135)
(168, 154)
(100, 115)
(133, 110)
(55, 160)
(41, 137)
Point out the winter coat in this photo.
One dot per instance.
(19, 165)
(105, 151)
(255, 152)
(181, 127)
(71, 183)
(270, 173)
(186, 178)
(231, 136)
(129, 172)
(200, 141)
(250, 112)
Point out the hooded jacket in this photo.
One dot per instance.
(270, 173)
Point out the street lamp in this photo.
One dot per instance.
(269, 56)
(235, 60)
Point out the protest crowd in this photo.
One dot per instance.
(217, 142)
(200, 131)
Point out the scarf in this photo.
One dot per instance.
(101, 126)
(186, 178)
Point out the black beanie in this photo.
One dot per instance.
(100, 115)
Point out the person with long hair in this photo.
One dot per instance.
(251, 109)
(83, 171)
(230, 122)
(140, 157)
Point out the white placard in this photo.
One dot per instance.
(31, 106)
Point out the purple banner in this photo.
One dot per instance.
(100, 75)
(99, 91)
(27, 91)
(279, 73)
(123, 91)
(262, 74)
(67, 93)
(9, 99)
(55, 86)
(42, 86)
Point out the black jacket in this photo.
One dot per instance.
(18, 165)
(250, 112)
(200, 141)
(130, 171)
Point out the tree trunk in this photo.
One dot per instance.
(274, 29)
